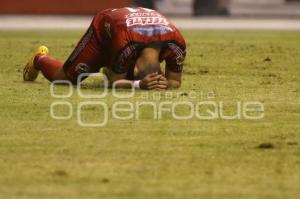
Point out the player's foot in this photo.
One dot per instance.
(30, 73)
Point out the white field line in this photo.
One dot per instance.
(18, 22)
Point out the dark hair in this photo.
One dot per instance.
(155, 45)
(152, 67)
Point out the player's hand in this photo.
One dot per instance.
(162, 83)
(150, 82)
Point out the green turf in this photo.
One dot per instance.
(45, 158)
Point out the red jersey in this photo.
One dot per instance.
(116, 38)
(130, 30)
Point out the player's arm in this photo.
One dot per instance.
(173, 79)
(174, 66)
(173, 74)
(149, 82)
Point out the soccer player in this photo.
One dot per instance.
(129, 42)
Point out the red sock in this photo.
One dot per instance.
(48, 65)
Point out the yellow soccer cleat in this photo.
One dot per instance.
(30, 73)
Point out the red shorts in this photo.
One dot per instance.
(89, 55)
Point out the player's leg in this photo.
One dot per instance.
(30, 71)
(86, 58)
(51, 68)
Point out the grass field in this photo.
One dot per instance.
(45, 158)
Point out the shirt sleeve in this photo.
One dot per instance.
(175, 57)
(125, 58)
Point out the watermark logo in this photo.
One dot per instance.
(131, 105)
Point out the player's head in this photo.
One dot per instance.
(148, 62)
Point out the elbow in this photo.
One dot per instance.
(174, 84)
